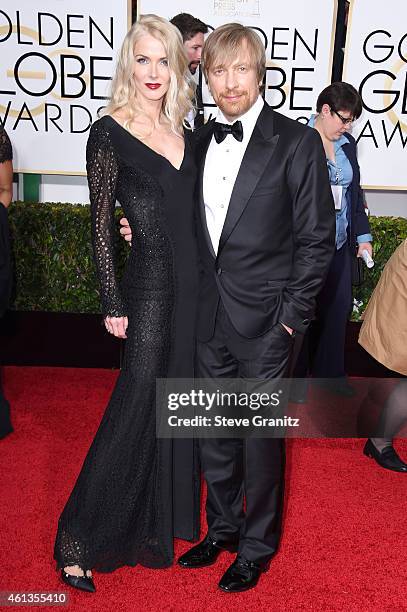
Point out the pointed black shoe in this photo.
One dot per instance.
(83, 583)
(205, 553)
(387, 458)
(242, 575)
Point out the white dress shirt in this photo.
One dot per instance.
(221, 169)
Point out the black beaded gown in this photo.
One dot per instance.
(135, 492)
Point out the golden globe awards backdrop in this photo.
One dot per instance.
(376, 64)
(298, 37)
(57, 58)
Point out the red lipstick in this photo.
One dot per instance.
(153, 85)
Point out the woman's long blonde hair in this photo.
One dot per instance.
(177, 101)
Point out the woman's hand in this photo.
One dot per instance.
(125, 230)
(367, 246)
(117, 326)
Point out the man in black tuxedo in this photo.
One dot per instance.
(266, 233)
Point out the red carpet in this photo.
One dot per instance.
(344, 543)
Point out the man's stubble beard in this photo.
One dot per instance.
(234, 109)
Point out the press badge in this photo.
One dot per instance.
(337, 195)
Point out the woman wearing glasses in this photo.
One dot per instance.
(337, 107)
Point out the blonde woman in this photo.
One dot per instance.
(128, 501)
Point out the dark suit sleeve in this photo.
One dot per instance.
(313, 219)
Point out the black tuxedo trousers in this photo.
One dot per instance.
(254, 467)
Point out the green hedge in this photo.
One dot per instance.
(388, 233)
(54, 268)
(54, 263)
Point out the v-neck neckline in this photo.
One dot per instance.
(150, 148)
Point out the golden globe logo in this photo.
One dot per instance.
(384, 88)
(57, 60)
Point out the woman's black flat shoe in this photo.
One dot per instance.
(83, 583)
(387, 458)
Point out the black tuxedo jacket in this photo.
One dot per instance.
(279, 234)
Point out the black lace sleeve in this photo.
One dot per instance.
(6, 153)
(102, 169)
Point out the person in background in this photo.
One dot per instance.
(338, 105)
(384, 336)
(6, 194)
(193, 31)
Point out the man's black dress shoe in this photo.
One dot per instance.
(83, 583)
(205, 553)
(387, 458)
(242, 575)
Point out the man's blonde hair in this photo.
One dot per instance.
(178, 100)
(225, 43)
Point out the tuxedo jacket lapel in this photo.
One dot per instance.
(259, 151)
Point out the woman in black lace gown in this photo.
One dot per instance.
(135, 491)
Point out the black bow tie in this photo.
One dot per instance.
(223, 129)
